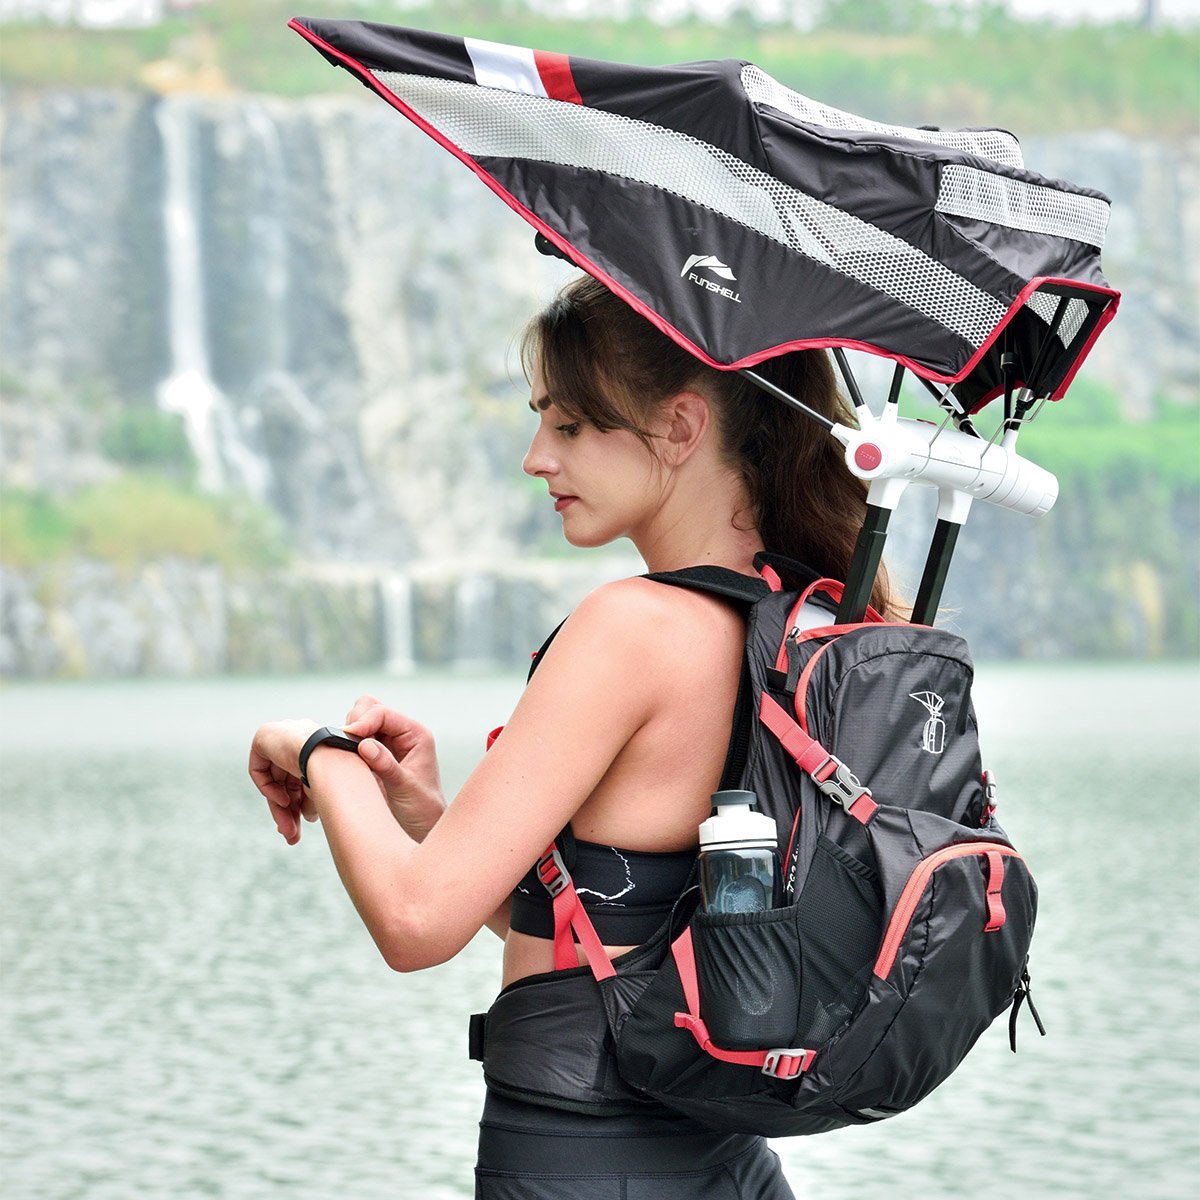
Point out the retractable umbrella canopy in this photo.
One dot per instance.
(746, 220)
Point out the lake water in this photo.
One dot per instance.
(191, 1008)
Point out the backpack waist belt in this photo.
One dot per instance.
(545, 1040)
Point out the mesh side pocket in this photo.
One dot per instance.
(839, 921)
(748, 968)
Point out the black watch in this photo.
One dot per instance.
(327, 735)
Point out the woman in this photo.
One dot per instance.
(622, 731)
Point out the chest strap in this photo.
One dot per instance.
(827, 771)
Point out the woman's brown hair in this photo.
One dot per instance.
(607, 365)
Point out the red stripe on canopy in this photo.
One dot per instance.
(555, 70)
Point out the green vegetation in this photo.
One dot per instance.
(150, 508)
(33, 528)
(136, 519)
(150, 439)
(1085, 437)
(911, 62)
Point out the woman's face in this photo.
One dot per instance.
(604, 485)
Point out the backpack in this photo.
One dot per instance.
(907, 915)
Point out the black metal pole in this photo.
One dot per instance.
(937, 566)
(843, 363)
(868, 550)
(1033, 381)
(779, 394)
(949, 403)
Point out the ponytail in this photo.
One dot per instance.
(804, 500)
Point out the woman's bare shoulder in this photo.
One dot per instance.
(649, 622)
(645, 604)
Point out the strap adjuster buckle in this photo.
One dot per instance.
(787, 1062)
(552, 871)
(841, 784)
(989, 795)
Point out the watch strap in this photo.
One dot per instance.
(327, 735)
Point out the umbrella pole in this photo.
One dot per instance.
(953, 508)
(937, 566)
(868, 550)
(864, 566)
(856, 397)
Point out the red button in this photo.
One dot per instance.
(868, 456)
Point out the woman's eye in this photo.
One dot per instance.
(570, 430)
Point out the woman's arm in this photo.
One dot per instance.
(403, 758)
(598, 683)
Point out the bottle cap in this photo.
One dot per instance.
(734, 825)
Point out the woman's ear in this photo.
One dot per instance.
(687, 417)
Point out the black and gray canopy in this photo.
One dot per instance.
(746, 220)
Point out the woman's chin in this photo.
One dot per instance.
(584, 539)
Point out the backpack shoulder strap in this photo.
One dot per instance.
(791, 572)
(743, 590)
(537, 654)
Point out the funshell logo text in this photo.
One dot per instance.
(710, 262)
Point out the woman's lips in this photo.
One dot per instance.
(561, 502)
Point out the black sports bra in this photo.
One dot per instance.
(626, 893)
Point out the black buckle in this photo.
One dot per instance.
(552, 871)
(477, 1036)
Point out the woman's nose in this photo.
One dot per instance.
(537, 461)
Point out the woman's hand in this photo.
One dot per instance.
(402, 756)
(275, 769)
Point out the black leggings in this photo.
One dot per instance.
(527, 1152)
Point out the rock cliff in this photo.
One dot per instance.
(328, 302)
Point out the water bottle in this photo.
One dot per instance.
(739, 866)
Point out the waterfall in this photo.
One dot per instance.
(188, 390)
(396, 600)
(474, 621)
(221, 452)
(268, 224)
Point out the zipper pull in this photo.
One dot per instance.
(785, 681)
(793, 661)
(1022, 995)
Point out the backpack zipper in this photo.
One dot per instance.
(918, 881)
(1022, 995)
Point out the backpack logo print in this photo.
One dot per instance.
(933, 735)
